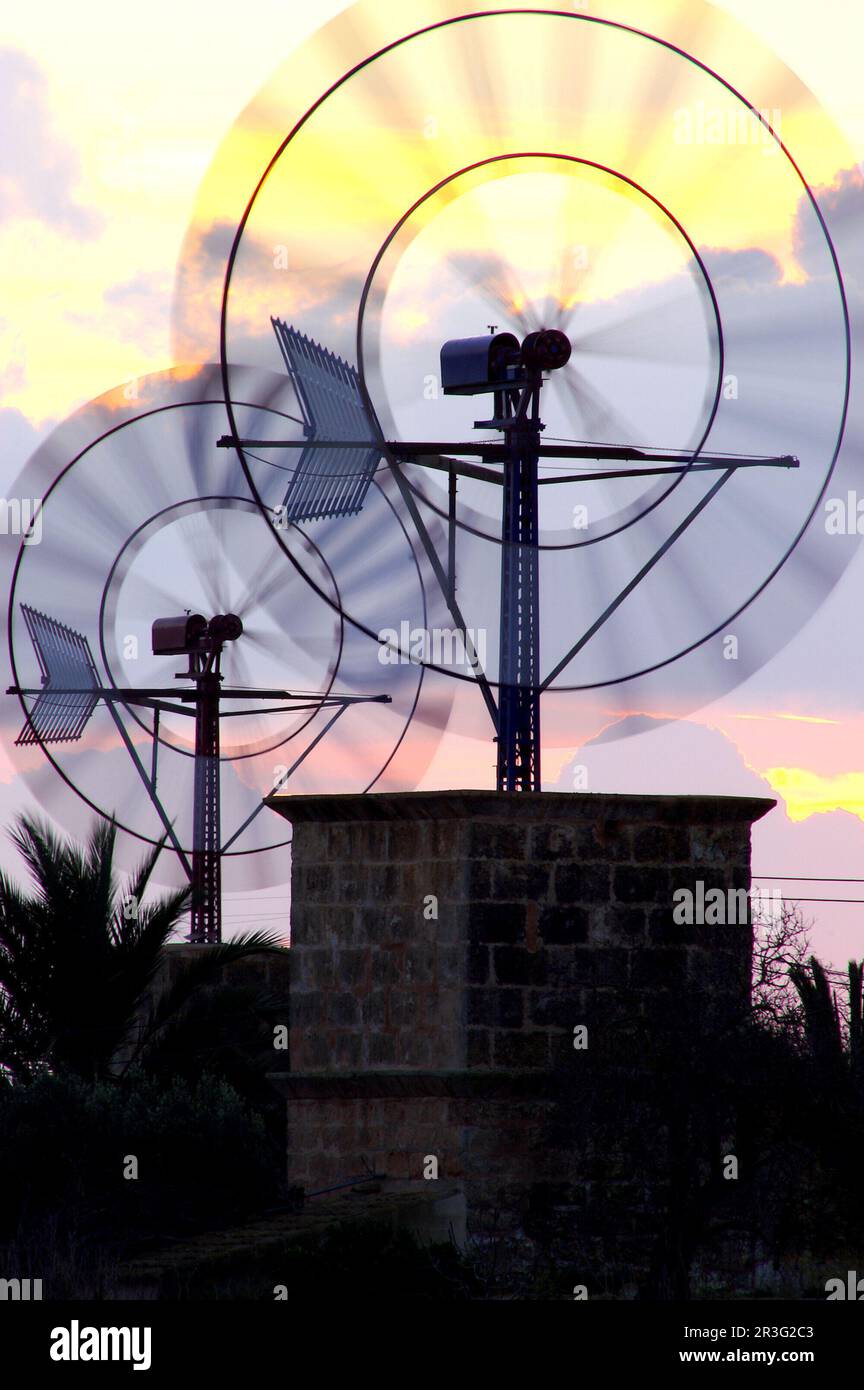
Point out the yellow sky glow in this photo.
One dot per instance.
(809, 793)
(141, 116)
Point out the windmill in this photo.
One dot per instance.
(140, 522)
(71, 688)
(338, 456)
(521, 197)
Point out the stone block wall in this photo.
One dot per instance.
(445, 946)
(375, 983)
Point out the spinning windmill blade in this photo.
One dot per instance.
(515, 714)
(512, 373)
(70, 691)
(148, 554)
(647, 465)
(335, 473)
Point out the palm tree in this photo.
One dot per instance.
(839, 1058)
(78, 956)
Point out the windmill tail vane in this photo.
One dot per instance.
(330, 480)
(66, 664)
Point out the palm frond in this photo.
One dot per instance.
(856, 1018)
(821, 1016)
(200, 972)
(79, 971)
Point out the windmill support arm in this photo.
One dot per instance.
(154, 761)
(451, 533)
(714, 465)
(452, 603)
(637, 579)
(453, 466)
(446, 457)
(151, 792)
(150, 698)
(285, 776)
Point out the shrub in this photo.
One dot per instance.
(202, 1158)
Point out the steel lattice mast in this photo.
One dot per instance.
(519, 661)
(205, 671)
(518, 763)
(206, 841)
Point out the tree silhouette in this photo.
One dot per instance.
(79, 954)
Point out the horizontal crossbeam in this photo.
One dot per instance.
(131, 697)
(446, 457)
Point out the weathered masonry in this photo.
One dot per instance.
(497, 982)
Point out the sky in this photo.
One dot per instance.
(131, 145)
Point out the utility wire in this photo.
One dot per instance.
(853, 901)
(802, 878)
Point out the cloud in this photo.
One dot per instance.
(18, 439)
(842, 206)
(323, 304)
(198, 285)
(38, 169)
(13, 360)
(751, 268)
(144, 293)
(678, 758)
(135, 311)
